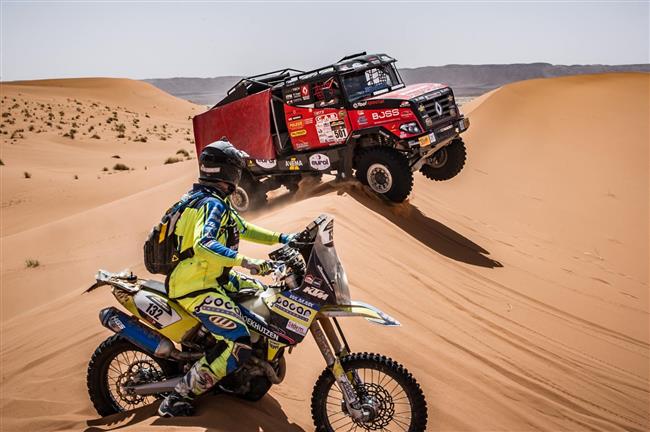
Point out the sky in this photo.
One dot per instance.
(206, 39)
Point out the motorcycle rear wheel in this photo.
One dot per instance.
(396, 398)
(112, 364)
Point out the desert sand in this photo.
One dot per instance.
(521, 284)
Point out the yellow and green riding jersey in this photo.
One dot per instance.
(212, 228)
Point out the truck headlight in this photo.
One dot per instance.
(411, 128)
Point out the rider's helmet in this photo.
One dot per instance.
(221, 162)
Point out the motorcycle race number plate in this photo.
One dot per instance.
(311, 128)
(155, 310)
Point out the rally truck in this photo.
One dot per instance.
(355, 116)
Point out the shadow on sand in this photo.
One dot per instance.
(214, 413)
(429, 232)
(406, 216)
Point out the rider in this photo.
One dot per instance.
(200, 284)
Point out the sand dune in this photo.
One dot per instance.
(522, 284)
(68, 135)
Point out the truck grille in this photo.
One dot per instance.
(439, 107)
(444, 107)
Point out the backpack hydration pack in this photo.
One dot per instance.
(161, 250)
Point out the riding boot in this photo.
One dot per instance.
(196, 381)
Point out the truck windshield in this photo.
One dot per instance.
(364, 83)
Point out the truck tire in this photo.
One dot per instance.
(446, 163)
(386, 171)
(249, 195)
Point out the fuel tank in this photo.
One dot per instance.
(260, 304)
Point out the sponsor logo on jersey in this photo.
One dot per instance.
(222, 322)
(220, 306)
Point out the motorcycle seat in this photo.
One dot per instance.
(154, 285)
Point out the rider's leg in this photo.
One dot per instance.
(221, 316)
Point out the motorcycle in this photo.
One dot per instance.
(153, 348)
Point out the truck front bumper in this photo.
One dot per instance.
(441, 133)
(427, 144)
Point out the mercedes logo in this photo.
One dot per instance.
(438, 108)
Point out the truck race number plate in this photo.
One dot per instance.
(427, 139)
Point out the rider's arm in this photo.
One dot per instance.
(256, 234)
(260, 235)
(206, 234)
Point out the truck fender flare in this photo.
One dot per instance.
(354, 142)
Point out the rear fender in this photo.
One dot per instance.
(359, 309)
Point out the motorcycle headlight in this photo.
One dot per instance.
(411, 128)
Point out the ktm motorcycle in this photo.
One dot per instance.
(158, 341)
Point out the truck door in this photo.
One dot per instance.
(318, 119)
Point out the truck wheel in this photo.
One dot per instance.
(385, 171)
(446, 162)
(249, 195)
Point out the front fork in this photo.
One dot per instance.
(333, 349)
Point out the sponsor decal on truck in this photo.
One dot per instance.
(319, 161)
(266, 163)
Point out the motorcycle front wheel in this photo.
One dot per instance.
(388, 392)
(115, 365)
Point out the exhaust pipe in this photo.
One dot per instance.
(142, 336)
(269, 371)
(155, 388)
